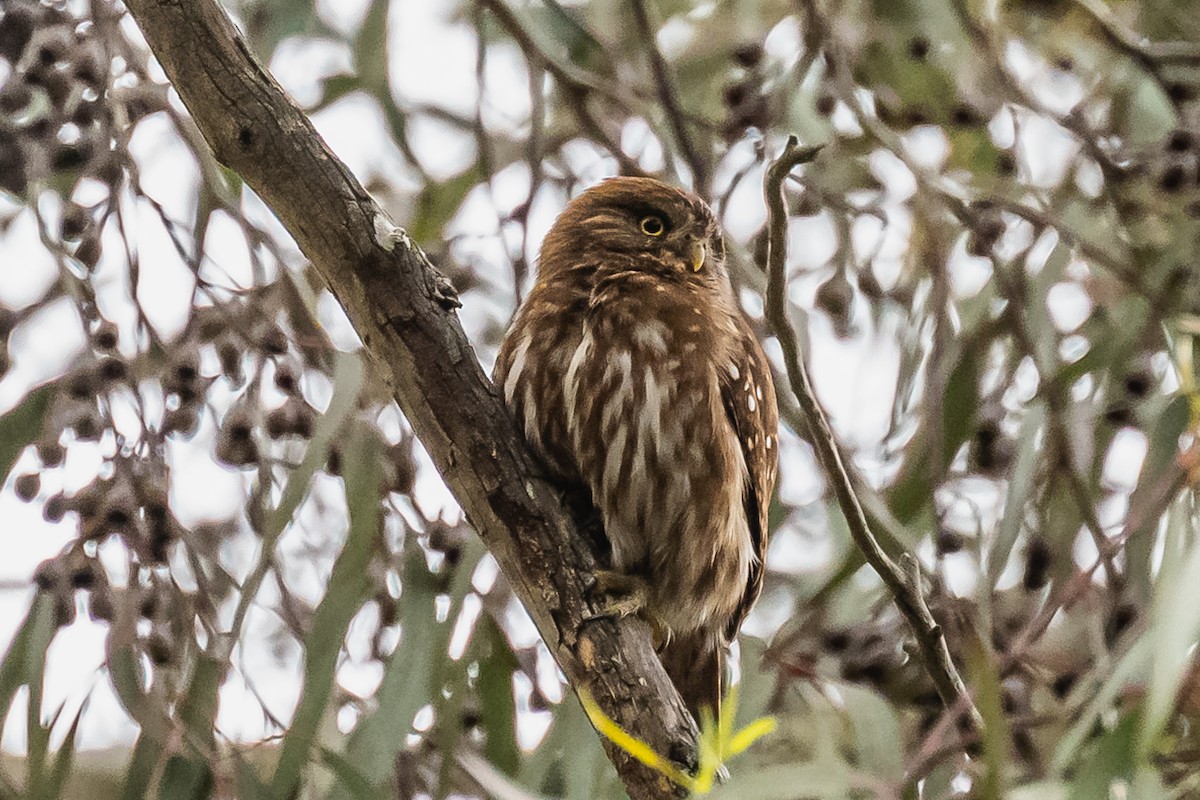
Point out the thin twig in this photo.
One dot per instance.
(1151, 56)
(1013, 289)
(575, 90)
(669, 97)
(905, 589)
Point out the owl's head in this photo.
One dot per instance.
(636, 224)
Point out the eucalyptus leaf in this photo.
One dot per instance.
(348, 588)
(22, 425)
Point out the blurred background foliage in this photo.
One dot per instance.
(993, 260)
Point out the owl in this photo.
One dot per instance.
(636, 378)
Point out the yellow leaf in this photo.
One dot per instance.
(631, 745)
(717, 742)
(750, 734)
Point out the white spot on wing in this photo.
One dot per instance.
(532, 430)
(518, 366)
(571, 383)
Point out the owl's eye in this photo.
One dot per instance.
(653, 225)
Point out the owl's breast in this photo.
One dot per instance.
(625, 399)
(650, 433)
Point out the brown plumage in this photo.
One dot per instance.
(636, 377)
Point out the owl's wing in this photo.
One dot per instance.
(748, 394)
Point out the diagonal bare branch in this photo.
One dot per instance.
(902, 580)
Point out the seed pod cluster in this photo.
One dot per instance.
(60, 116)
(1179, 169)
(747, 103)
(131, 503)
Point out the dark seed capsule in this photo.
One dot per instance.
(735, 94)
(1124, 615)
(1006, 165)
(1119, 414)
(84, 577)
(113, 370)
(277, 423)
(148, 607)
(183, 420)
(1138, 383)
(1038, 560)
(979, 246)
(286, 379)
(948, 542)
(55, 508)
(836, 641)
(1063, 684)
(27, 486)
(75, 221)
(158, 648)
(963, 116)
(1179, 140)
(1181, 92)
(1172, 178)
(105, 337)
(748, 55)
(274, 342)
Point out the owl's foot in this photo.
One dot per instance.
(627, 595)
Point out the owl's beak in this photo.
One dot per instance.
(699, 253)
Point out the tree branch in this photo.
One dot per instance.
(575, 89)
(669, 97)
(402, 308)
(905, 588)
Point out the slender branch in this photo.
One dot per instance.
(402, 308)
(905, 588)
(575, 89)
(669, 97)
(1013, 288)
(1151, 56)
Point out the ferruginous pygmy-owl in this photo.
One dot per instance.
(636, 377)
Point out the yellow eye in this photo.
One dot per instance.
(653, 226)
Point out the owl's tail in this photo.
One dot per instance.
(696, 665)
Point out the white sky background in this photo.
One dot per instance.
(433, 61)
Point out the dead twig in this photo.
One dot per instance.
(575, 89)
(905, 588)
(667, 95)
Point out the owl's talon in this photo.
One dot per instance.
(628, 595)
